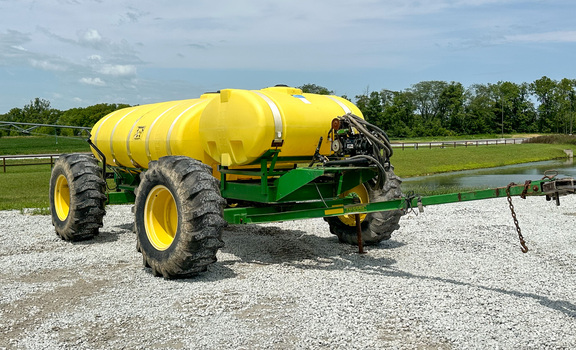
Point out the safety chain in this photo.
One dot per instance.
(408, 197)
(523, 195)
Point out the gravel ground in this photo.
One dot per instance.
(451, 278)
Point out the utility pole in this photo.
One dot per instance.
(571, 109)
(502, 108)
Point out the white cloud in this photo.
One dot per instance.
(118, 70)
(18, 47)
(91, 35)
(46, 65)
(95, 58)
(93, 81)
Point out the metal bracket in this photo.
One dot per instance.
(555, 189)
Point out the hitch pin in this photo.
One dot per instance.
(420, 206)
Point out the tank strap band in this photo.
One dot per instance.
(112, 152)
(277, 117)
(95, 135)
(169, 136)
(342, 105)
(147, 142)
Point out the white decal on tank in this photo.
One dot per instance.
(341, 104)
(302, 98)
(128, 150)
(147, 142)
(276, 114)
(169, 136)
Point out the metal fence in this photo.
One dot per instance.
(454, 144)
(39, 159)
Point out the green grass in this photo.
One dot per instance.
(424, 161)
(554, 139)
(11, 145)
(24, 187)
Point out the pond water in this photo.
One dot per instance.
(492, 177)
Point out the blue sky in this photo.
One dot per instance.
(77, 53)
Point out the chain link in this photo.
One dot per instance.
(520, 237)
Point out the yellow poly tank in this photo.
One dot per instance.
(233, 127)
(240, 125)
(133, 136)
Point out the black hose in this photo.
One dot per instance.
(349, 161)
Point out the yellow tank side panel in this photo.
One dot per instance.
(107, 127)
(139, 146)
(184, 133)
(306, 117)
(237, 127)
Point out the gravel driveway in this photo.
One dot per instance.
(451, 278)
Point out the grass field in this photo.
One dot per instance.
(27, 186)
(41, 145)
(424, 161)
(24, 187)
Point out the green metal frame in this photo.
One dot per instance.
(318, 210)
(126, 181)
(290, 185)
(279, 194)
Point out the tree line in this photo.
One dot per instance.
(39, 111)
(428, 108)
(440, 108)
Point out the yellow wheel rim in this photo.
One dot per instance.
(62, 198)
(160, 217)
(362, 194)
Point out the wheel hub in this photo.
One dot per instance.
(160, 217)
(362, 194)
(62, 197)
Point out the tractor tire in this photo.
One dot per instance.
(377, 226)
(77, 197)
(178, 217)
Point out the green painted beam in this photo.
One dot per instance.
(123, 197)
(295, 179)
(276, 213)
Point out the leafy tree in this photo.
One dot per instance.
(315, 89)
(398, 115)
(38, 111)
(371, 107)
(544, 89)
(426, 95)
(451, 106)
(87, 116)
(479, 110)
(567, 103)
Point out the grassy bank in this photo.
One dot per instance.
(424, 161)
(27, 186)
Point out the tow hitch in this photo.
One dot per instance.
(556, 188)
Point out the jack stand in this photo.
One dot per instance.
(359, 231)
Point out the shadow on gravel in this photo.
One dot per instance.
(269, 245)
(567, 308)
(128, 227)
(108, 235)
(272, 245)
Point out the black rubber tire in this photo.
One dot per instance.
(199, 206)
(378, 226)
(81, 176)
